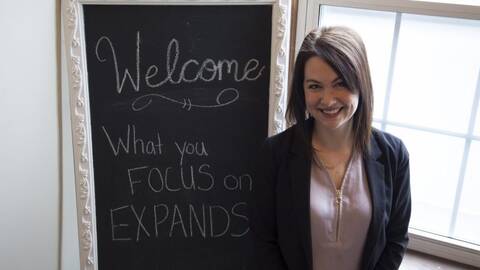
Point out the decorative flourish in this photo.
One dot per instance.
(144, 101)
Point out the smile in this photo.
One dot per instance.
(331, 111)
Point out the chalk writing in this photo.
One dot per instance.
(134, 143)
(206, 71)
(197, 149)
(205, 220)
(115, 226)
(179, 220)
(251, 70)
(184, 178)
(232, 182)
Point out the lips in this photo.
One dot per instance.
(331, 111)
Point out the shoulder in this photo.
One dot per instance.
(390, 146)
(389, 141)
(281, 139)
(277, 146)
(293, 138)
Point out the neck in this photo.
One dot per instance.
(333, 140)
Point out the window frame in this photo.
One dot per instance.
(308, 16)
(309, 11)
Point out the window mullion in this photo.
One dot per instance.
(393, 56)
(320, 15)
(423, 128)
(466, 151)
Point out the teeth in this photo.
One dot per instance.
(331, 111)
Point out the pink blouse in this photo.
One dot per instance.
(339, 218)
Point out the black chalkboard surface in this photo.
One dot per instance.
(179, 109)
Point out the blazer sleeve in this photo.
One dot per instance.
(397, 227)
(266, 251)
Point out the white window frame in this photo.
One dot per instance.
(308, 13)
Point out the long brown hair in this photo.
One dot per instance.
(343, 49)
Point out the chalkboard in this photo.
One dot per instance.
(170, 101)
(179, 103)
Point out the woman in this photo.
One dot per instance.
(333, 193)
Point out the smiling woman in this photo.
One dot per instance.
(403, 41)
(346, 185)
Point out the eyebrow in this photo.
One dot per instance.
(313, 81)
(336, 80)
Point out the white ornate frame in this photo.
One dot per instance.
(72, 11)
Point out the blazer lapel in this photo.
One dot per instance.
(299, 170)
(376, 182)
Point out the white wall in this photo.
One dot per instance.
(70, 244)
(29, 136)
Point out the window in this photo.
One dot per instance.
(425, 65)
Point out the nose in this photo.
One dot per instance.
(328, 98)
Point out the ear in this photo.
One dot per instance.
(307, 114)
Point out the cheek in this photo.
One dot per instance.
(351, 102)
(354, 103)
(309, 99)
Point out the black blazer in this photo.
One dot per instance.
(280, 207)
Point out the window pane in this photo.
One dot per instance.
(477, 125)
(435, 72)
(433, 177)
(468, 220)
(376, 29)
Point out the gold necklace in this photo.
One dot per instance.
(318, 159)
(319, 162)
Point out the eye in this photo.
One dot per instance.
(314, 86)
(341, 84)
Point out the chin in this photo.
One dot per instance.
(330, 125)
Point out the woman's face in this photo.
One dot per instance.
(327, 98)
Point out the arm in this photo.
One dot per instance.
(397, 227)
(266, 252)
